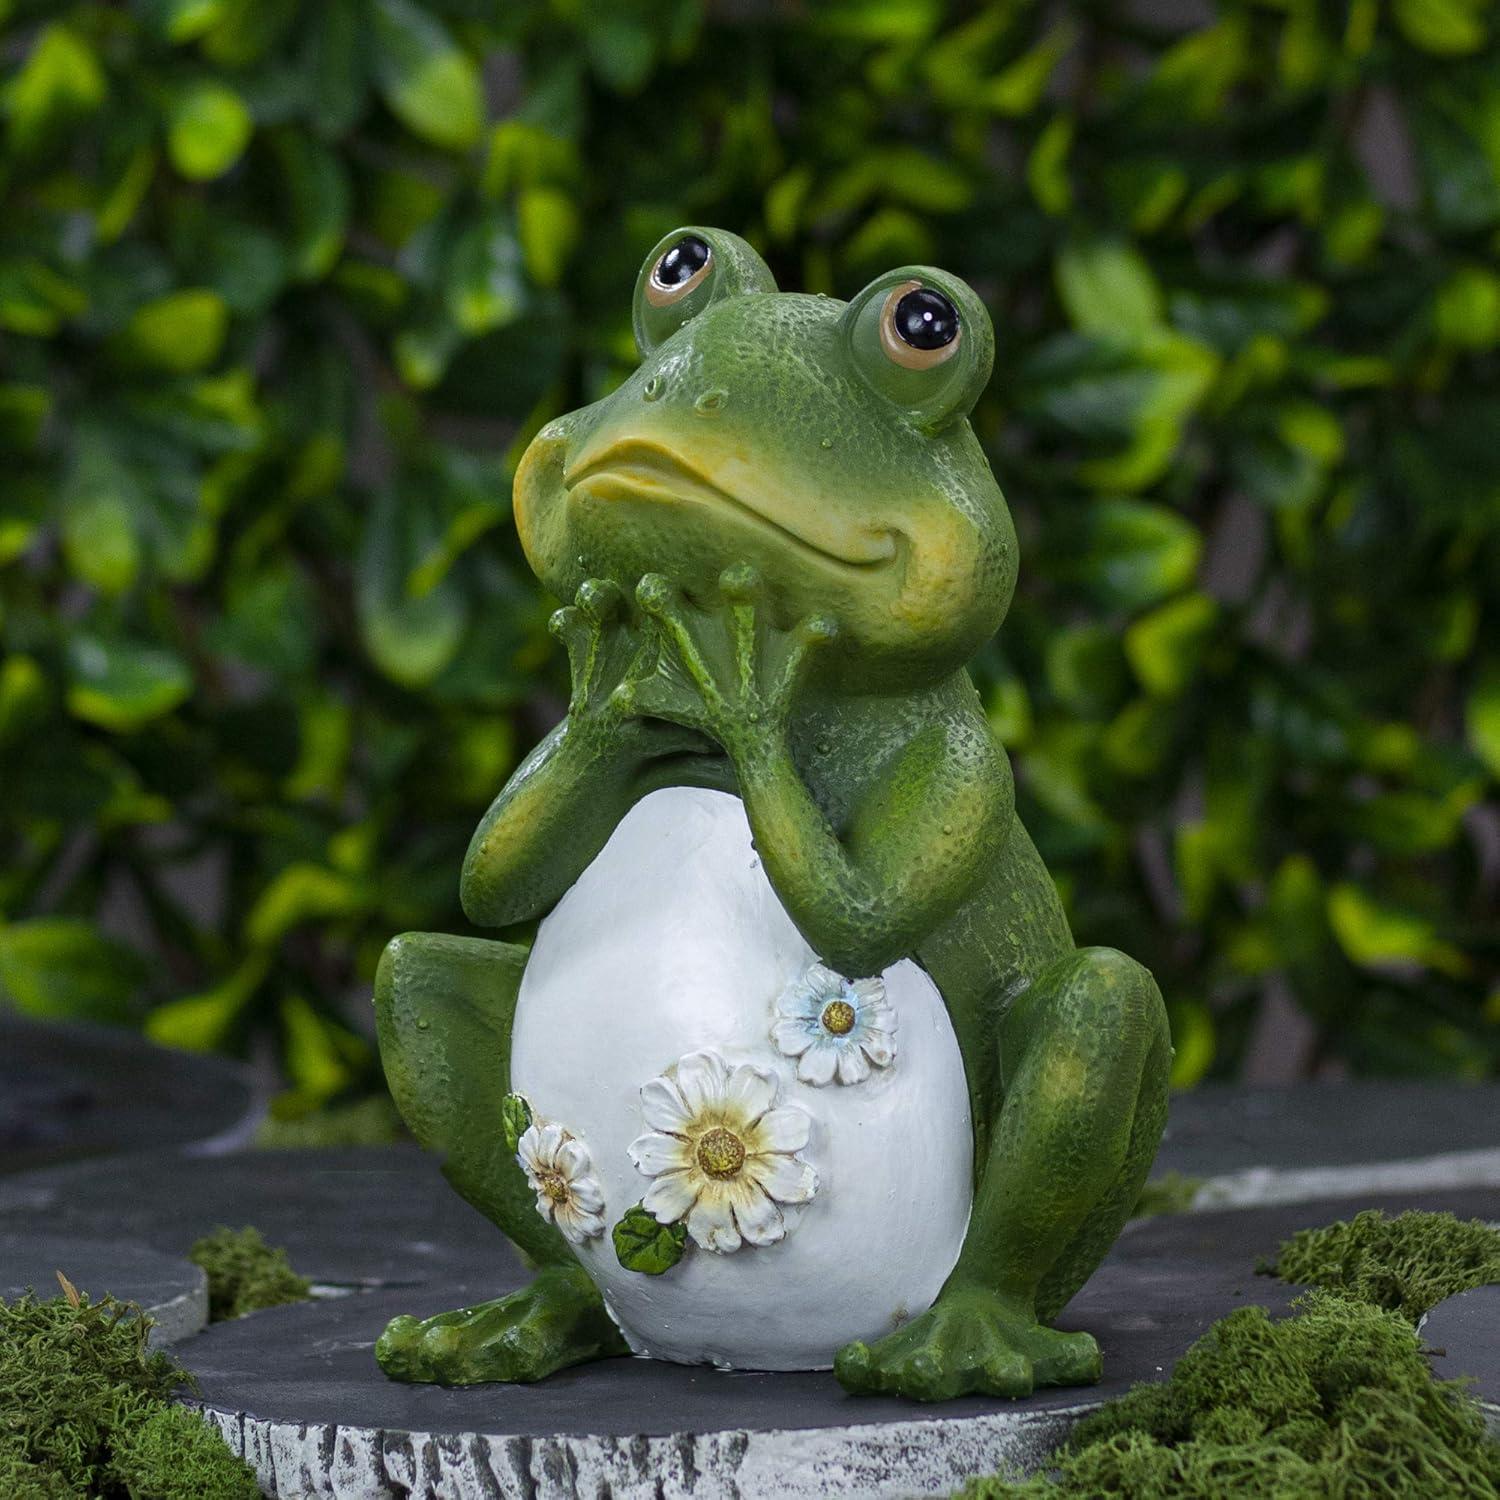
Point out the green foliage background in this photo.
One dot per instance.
(284, 285)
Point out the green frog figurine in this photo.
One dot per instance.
(802, 1067)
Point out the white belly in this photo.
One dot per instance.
(673, 942)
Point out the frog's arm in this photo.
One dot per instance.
(551, 818)
(865, 893)
(912, 851)
(559, 808)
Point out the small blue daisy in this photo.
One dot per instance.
(835, 1027)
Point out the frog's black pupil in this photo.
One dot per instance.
(926, 319)
(683, 261)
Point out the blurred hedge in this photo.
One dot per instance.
(284, 284)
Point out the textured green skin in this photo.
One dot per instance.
(802, 644)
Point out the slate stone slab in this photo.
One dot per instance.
(359, 1216)
(171, 1290)
(69, 1090)
(297, 1391)
(1321, 1140)
(1465, 1332)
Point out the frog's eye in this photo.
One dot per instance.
(688, 271)
(919, 326)
(922, 339)
(678, 270)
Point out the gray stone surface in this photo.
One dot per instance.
(1263, 1146)
(69, 1090)
(361, 1216)
(1464, 1333)
(173, 1291)
(297, 1390)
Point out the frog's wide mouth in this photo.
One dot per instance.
(634, 469)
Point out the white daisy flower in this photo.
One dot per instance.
(558, 1167)
(722, 1154)
(835, 1026)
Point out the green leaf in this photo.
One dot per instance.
(1192, 1042)
(61, 77)
(322, 1058)
(204, 1022)
(208, 128)
(515, 1120)
(64, 967)
(318, 202)
(1166, 646)
(410, 638)
(121, 684)
(547, 226)
(1108, 289)
(301, 893)
(181, 332)
(1129, 553)
(431, 86)
(1374, 932)
(1446, 28)
(641, 1244)
(1482, 718)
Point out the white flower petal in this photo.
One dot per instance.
(852, 1065)
(758, 1218)
(701, 1079)
(868, 992)
(879, 1048)
(784, 1129)
(662, 1107)
(549, 1141)
(818, 1062)
(586, 1195)
(749, 1093)
(572, 1158)
(823, 981)
(787, 1179)
(711, 1224)
(792, 1038)
(671, 1196)
(655, 1154)
(579, 1225)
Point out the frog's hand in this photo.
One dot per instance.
(443, 1009)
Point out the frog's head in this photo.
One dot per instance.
(824, 442)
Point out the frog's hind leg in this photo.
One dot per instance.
(444, 1008)
(1084, 1057)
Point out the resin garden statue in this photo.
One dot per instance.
(801, 1067)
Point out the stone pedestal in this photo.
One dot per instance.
(296, 1388)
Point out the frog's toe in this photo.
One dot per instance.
(852, 1367)
(1065, 1358)
(741, 583)
(397, 1350)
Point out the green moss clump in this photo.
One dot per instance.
(1171, 1193)
(367, 1122)
(1407, 1264)
(1337, 1400)
(245, 1274)
(85, 1411)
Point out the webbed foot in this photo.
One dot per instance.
(969, 1343)
(558, 1320)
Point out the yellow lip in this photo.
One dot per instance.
(634, 468)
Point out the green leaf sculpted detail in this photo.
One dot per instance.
(515, 1120)
(641, 1244)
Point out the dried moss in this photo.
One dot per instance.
(1407, 1264)
(1337, 1400)
(245, 1274)
(85, 1411)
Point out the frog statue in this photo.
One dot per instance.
(801, 1067)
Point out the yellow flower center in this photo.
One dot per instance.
(554, 1186)
(721, 1153)
(838, 1017)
